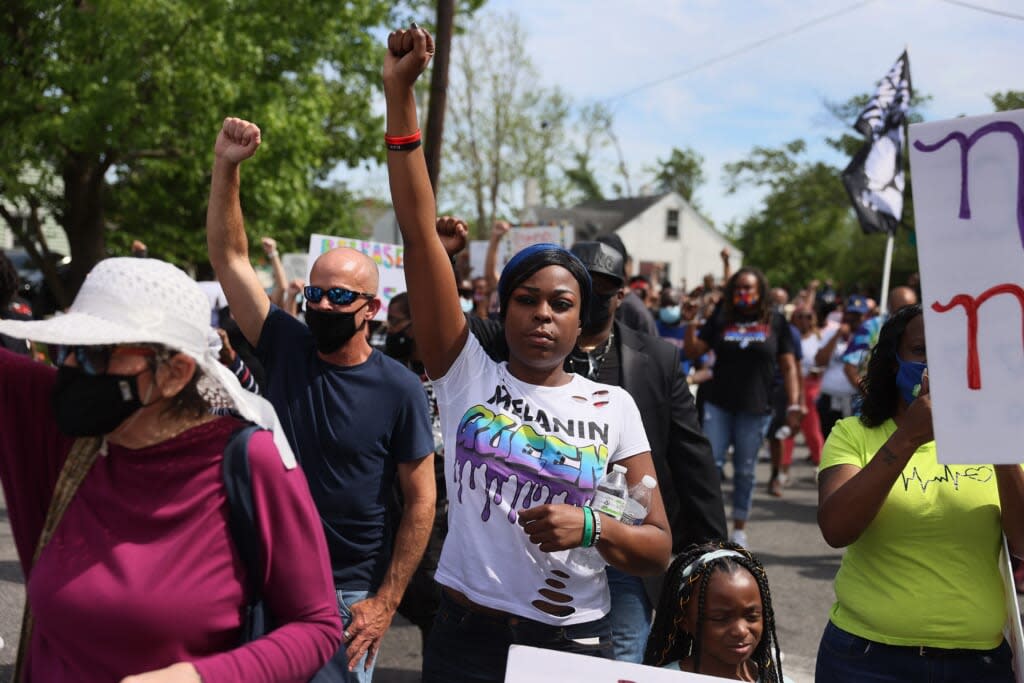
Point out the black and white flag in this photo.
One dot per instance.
(874, 179)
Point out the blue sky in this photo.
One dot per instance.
(595, 50)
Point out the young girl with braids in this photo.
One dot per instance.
(713, 616)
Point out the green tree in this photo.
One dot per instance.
(110, 111)
(681, 172)
(1008, 101)
(503, 128)
(595, 121)
(805, 227)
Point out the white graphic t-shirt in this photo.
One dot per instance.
(510, 445)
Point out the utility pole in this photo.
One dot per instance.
(438, 90)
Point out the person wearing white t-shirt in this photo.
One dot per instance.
(525, 441)
(837, 391)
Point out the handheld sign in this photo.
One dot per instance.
(968, 182)
(531, 664)
(515, 240)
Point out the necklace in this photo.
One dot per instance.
(594, 357)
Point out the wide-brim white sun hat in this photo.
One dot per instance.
(148, 301)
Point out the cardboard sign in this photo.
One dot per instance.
(515, 240)
(531, 664)
(388, 257)
(968, 182)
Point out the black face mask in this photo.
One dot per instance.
(599, 313)
(398, 345)
(93, 405)
(331, 330)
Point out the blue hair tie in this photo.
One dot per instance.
(529, 252)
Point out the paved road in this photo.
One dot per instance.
(783, 533)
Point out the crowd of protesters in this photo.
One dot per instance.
(444, 464)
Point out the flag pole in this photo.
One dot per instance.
(883, 303)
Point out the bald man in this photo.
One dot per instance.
(355, 418)
(855, 360)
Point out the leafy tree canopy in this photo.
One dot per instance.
(1008, 101)
(682, 172)
(113, 107)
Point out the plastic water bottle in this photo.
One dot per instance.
(609, 499)
(639, 502)
(612, 493)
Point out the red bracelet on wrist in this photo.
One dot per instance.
(401, 143)
(402, 139)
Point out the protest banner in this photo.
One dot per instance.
(531, 664)
(968, 183)
(296, 266)
(515, 240)
(388, 257)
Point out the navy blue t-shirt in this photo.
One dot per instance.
(349, 427)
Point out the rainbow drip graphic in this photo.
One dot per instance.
(505, 449)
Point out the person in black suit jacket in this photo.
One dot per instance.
(648, 369)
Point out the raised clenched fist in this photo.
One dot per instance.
(453, 234)
(409, 52)
(237, 140)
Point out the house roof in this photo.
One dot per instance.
(595, 218)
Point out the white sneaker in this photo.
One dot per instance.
(739, 537)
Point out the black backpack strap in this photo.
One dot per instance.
(241, 511)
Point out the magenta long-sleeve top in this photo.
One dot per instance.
(142, 572)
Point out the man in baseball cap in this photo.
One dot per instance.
(601, 259)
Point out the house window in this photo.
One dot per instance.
(672, 223)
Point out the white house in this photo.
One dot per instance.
(53, 233)
(657, 230)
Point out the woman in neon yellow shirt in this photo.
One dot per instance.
(918, 595)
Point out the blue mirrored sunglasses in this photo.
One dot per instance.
(93, 360)
(336, 295)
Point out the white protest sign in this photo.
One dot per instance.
(514, 241)
(968, 180)
(531, 664)
(388, 257)
(296, 266)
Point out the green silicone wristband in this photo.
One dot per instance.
(588, 527)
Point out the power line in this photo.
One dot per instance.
(988, 10)
(740, 50)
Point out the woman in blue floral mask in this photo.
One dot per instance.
(919, 595)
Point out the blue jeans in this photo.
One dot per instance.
(630, 615)
(745, 432)
(467, 645)
(846, 658)
(336, 669)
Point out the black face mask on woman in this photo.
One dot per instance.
(93, 405)
(332, 330)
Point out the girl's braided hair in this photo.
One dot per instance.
(670, 641)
